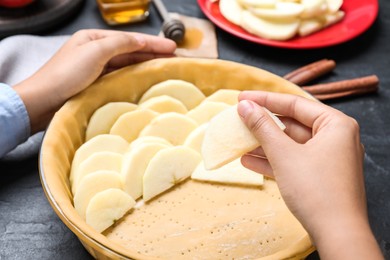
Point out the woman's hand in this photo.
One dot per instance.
(318, 166)
(80, 61)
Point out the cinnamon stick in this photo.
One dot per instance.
(310, 72)
(344, 88)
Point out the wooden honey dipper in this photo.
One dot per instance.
(172, 28)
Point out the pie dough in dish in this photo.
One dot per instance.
(193, 220)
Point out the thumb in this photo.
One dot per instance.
(263, 127)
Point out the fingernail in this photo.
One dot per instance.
(244, 108)
(140, 39)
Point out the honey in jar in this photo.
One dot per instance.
(117, 12)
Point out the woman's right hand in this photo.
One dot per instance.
(318, 166)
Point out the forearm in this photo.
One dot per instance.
(39, 101)
(347, 238)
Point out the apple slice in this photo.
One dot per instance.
(314, 8)
(195, 139)
(171, 126)
(334, 5)
(258, 3)
(130, 124)
(333, 18)
(206, 110)
(97, 161)
(184, 91)
(231, 173)
(104, 117)
(228, 96)
(107, 207)
(310, 26)
(164, 104)
(148, 139)
(227, 138)
(134, 166)
(167, 168)
(269, 29)
(92, 184)
(231, 10)
(99, 143)
(282, 11)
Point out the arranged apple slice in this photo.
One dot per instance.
(195, 139)
(168, 167)
(231, 10)
(171, 126)
(206, 110)
(164, 104)
(91, 185)
(104, 117)
(148, 139)
(99, 143)
(281, 30)
(231, 173)
(130, 124)
(227, 138)
(184, 91)
(134, 166)
(228, 96)
(97, 161)
(107, 207)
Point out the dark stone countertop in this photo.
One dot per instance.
(30, 229)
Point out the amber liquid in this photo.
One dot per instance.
(192, 39)
(116, 12)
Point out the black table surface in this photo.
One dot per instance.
(29, 228)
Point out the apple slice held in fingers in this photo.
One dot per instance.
(107, 207)
(167, 168)
(227, 138)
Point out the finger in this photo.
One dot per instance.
(259, 165)
(301, 109)
(258, 121)
(156, 44)
(152, 43)
(258, 152)
(132, 58)
(128, 41)
(297, 131)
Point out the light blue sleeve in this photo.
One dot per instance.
(14, 120)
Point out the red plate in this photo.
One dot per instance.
(359, 16)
